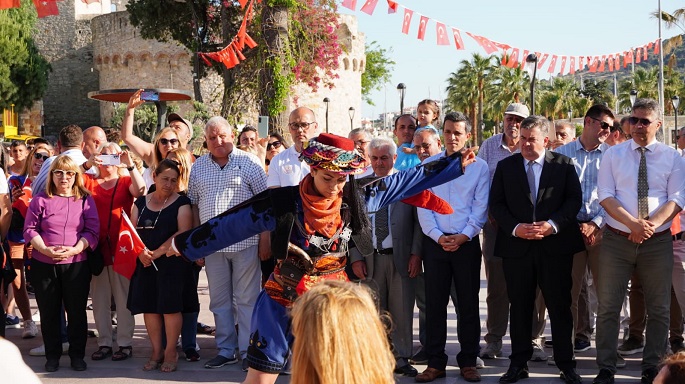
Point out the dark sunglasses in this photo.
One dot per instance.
(40, 156)
(168, 141)
(602, 124)
(275, 145)
(644, 122)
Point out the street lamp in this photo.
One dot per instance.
(570, 114)
(633, 97)
(532, 59)
(326, 100)
(675, 101)
(351, 112)
(401, 89)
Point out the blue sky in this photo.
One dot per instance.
(579, 27)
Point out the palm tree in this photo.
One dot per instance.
(558, 97)
(508, 85)
(644, 80)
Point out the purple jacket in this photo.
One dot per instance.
(61, 221)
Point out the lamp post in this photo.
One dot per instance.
(351, 113)
(326, 100)
(532, 59)
(570, 114)
(401, 89)
(675, 101)
(633, 97)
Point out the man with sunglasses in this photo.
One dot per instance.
(586, 153)
(640, 185)
(286, 169)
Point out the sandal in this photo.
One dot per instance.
(102, 353)
(123, 353)
(151, 365)
(205, 329)
(168, 366)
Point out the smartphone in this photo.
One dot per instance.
(149, 96)
(110, 159)
(263, 126)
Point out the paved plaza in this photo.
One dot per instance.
(129, 371)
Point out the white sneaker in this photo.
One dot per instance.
(30, 330)
(40, 351)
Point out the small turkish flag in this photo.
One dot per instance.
(552, 65)
(422, 28)
(129, 247)
(6, 4)
(351, 4)
(408, 13)
(563, 65)
(513, 58)
(657, 44)
(392, 6)
(638, 55)
(611, 63)
(644, 51)
(46, 7)
(542, 59)
(369, 6)
(573, 65)
(485, 43)
(457, 39)
(441, 32)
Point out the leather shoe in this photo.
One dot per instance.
(514, 374)
(470, 374)
(78, 364)
(406, 370)
(52, 365)
(648, 375)
(605, 376)
(570, 376)
(429, 375)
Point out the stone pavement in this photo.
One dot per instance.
(129, 371)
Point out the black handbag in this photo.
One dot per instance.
(96, 260)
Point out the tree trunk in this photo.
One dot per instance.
(275, 29)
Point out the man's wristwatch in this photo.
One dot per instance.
(130, 169)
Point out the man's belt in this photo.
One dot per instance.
(627, 234)
(677, 236)
(383, 251)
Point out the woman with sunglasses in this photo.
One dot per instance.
(165, 141)
(20, 190)
(162, 288)
(113, 191)
(275, 145)
(61, 223)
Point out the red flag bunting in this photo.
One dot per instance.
(638, 55)
(408, 13)
(514, 58)
(128, 248)
(441, 32)
(563, 65)
(6, 4)
(392, 6)
(242, 3)
(552, 64)
(581, 65)
(657, 44)
(369, 6)
(457, 39)
(351, 4)
(422, 27)
(484, 42)
(572, 65)
(594, 64)
(46, 7)
(644, 53)
(617, 61)
(610, 61)
(541, 60)
(523, 58)
(602, 63)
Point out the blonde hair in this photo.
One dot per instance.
(157, 155)
(185, 160)
(65, 162)
(28, 164)
(117, 150)
(331, 324)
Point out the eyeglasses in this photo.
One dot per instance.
(602, 124)
(361, 142)
(40, 156)
(424, 146)
(62, 173)
(275, 145)
(168, 141)
(644, 122)
(296, 126)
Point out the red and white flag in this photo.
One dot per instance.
(457, 39)
(6, 4)
(514, 58)
(392, 6)
(351, 4)
(46, 7)
(563, 65)
(572, 65)
(128, 248)
(408, 13)
(542, 59)
(552, 65)
(441, 32)
(422, 27)
(484, 42)
(369, 6)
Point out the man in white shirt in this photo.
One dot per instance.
(286, 169)
(640, 185)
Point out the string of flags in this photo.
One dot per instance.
(512, 56)
(44, 8)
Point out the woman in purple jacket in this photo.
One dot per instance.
(61, 223)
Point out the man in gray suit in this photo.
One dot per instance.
(395, 262)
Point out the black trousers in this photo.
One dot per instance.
(55, 284)
(440, 269)
(552, 273)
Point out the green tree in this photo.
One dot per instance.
(644, 80)
(23, 71)
(599, 91)
(377, 70)
(509, 85)
(557, 98)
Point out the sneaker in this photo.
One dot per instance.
(620, 361)
(631, 347)
(219, 361)
(480, 364)
(40, 351)
(30, 330)
(677, 346)
(192, 355)
(492, 350)
(538, 353)
(605, 377)
(12, 322)
(420, 358)
(581, 345)
(648, 375)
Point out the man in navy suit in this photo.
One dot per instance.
(537, 236)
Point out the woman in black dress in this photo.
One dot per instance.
(162, 287)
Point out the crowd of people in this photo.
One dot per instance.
(581, 228)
